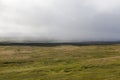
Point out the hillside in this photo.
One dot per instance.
(60, 62)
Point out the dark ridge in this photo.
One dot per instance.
(58, 44)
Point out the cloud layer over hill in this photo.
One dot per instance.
(60, 20)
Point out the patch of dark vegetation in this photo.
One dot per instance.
(68, 70)
(13, 63)
(99, 66)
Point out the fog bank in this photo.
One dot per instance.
(59, 20)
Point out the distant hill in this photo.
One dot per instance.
(58, 43)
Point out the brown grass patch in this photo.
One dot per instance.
(67, 48)
(106, 60)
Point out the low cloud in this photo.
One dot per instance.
(60, 20)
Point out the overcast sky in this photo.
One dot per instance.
(61, 20)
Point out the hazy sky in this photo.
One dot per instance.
(61, 20)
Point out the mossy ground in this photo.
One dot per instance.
(65, 62)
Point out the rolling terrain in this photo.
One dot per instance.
(60, 62)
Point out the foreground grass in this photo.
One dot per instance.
(97, 62)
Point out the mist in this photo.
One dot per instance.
(59, 20)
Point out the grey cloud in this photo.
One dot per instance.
(60, 20)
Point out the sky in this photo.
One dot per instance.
(59, 20)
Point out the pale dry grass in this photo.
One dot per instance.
(15, 58)
(106, 60)
(66, 47)
(13, 54)
(7, 53)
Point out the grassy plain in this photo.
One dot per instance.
(64, 62)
